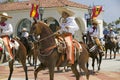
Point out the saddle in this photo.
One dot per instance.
(4, 55)
(62, 48)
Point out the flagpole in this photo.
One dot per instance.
(90, 15)
(41, 10)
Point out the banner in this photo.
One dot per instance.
(96, 11)
(34, 11)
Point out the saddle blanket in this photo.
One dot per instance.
(14, 44)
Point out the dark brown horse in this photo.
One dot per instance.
(49, 55)
(93, 50)
(31, 50)
(20, 56)
(110, 45)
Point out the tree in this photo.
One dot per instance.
(104, 23)
(117, 21)
(10, 0)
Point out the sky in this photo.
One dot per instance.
(111, 8)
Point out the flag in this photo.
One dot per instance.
(96, 11)
(34, 11)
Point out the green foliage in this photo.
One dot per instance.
(104, 23)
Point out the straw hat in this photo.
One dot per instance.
(95, 22)
(111, 28)
(4, 14)
(68, 11)
(24, 29)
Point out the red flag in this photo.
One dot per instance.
(96, 11)
(34, 11)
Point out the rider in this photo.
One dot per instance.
(94, 33)
(105, 32)
(6, 29)
(68, 28)
(112, 35)
(24, 33)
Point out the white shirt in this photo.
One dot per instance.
(95, 33)
(71, 24)
(25, 34)
(111, 34)
(6, 30)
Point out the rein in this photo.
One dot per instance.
(48, 36)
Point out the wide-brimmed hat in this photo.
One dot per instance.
(111, 28)
(4, 14)
(95, 22)
(67, 10)
(24, 29)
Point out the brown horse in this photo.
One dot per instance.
(48, 52)
(20, 56)
(31, 48)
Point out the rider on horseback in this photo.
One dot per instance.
(24, 33)
(111, 35)
(93, 31)
(68, 28)
(6, 29)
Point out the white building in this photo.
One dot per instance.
(20, 11)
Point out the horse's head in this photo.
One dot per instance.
(35, 28)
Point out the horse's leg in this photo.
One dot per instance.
(110, 53)
(11, 69)
(51, 71)
(87, 65)
(85, 69)
(34, 60)
(114, 53)
(75, 71)
(97, 61)
(29, 59)
(100, 60)
(23, 62)
(106, 53)
(93, 61)
(40, 67)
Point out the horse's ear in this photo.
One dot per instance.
(35, 20)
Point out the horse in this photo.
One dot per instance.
(19, 53)
(31, 48)
(111, 45)
(93, 50)
(50, 57)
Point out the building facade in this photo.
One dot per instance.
(20, 11)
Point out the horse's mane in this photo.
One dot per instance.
(46, 32)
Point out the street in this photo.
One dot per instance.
(110, 70)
